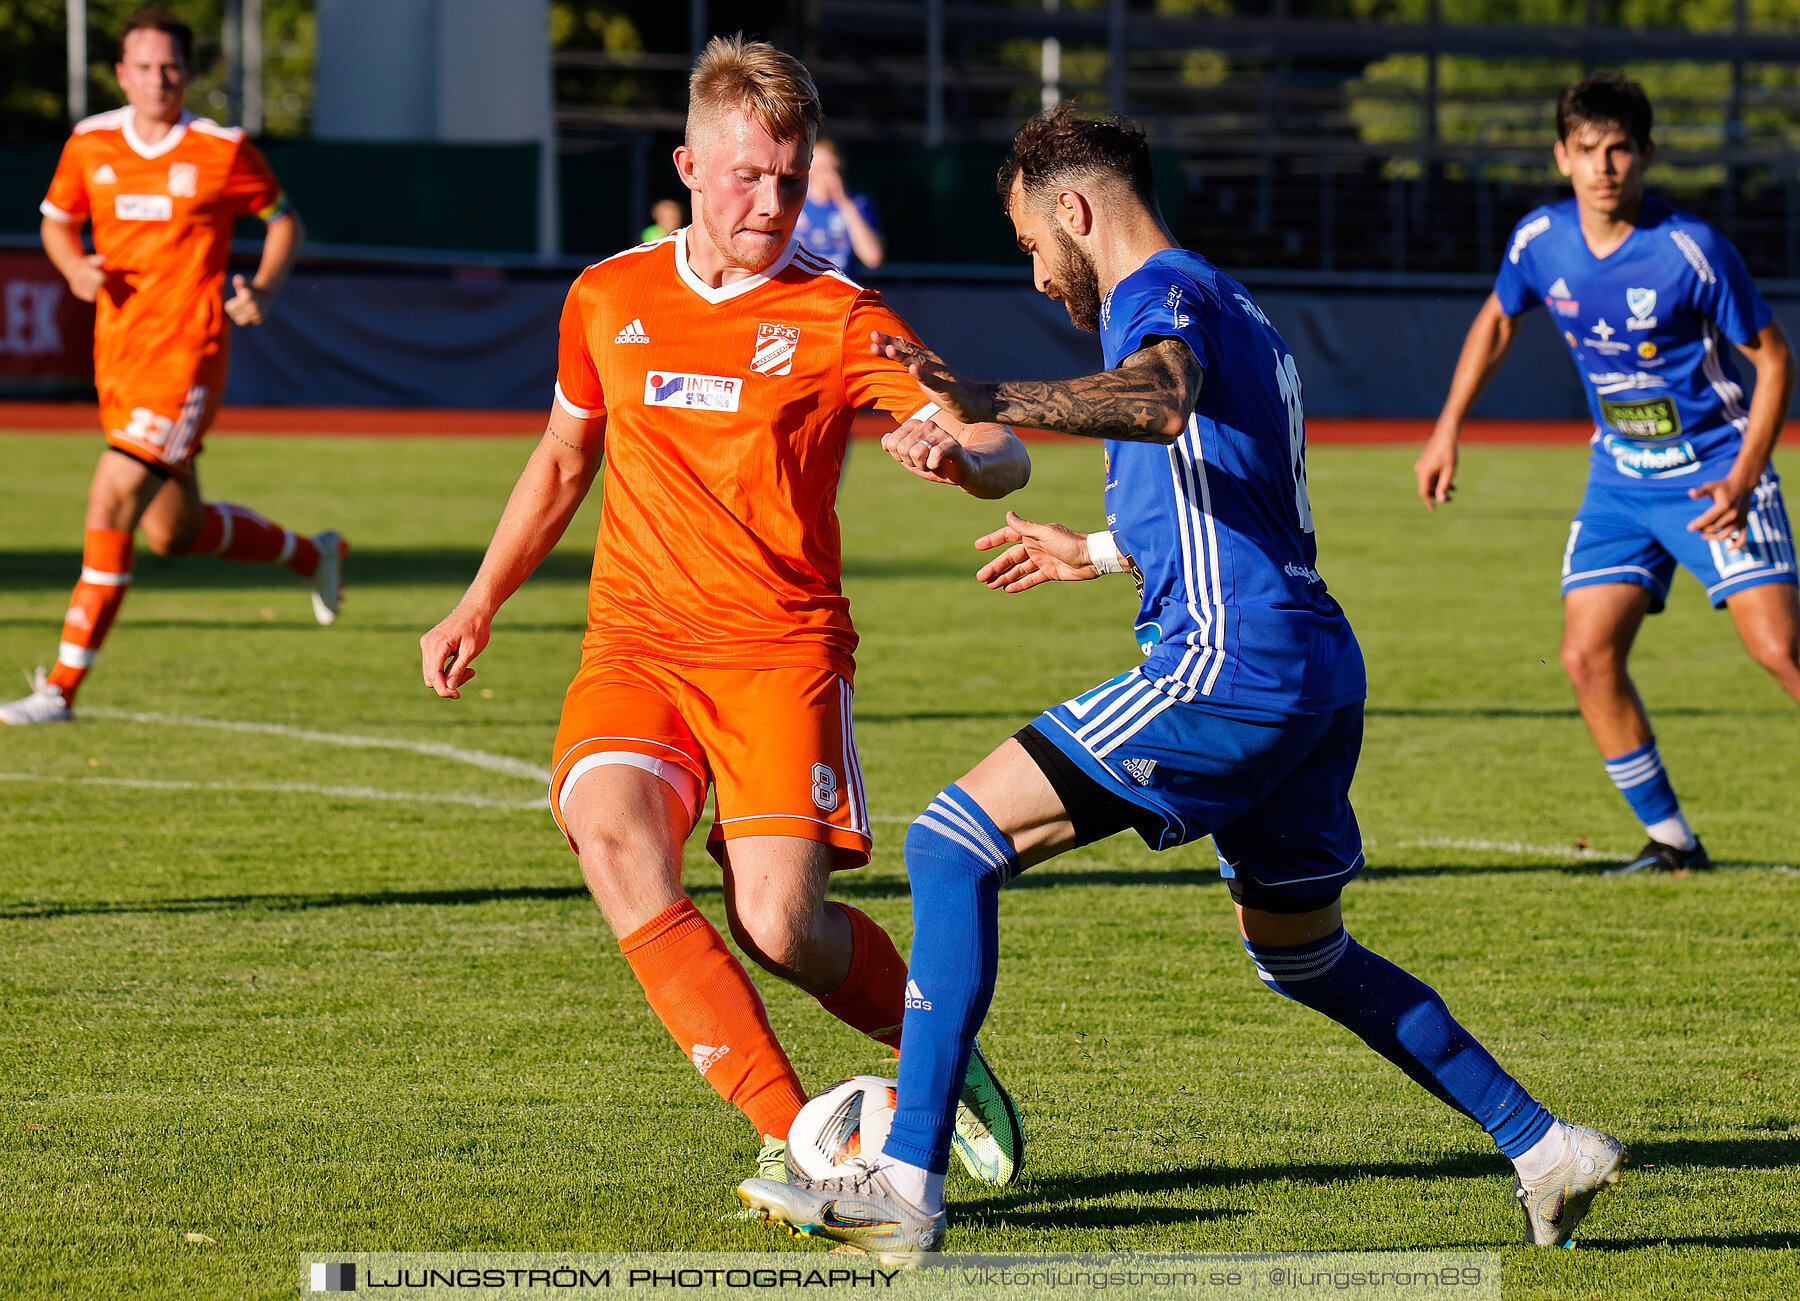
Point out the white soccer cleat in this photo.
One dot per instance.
(860, 1210)
(1555, 1205)
(327, 582)
(45, 704)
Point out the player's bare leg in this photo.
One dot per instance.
(775, 890)
(628, 826)
(1599, 626)
(172, 518)
(1768, 621)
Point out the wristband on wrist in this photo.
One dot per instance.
(1103, 553)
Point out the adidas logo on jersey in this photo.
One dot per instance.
(104, 175)
(915, 997)
(1140, 770)
(706, 1056)
(633, 333)
(1560, 289)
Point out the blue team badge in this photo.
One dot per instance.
(1641, 301)
(1149, 636)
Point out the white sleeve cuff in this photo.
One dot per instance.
(55, 213)
(1103, 553)
(563, 402)
(925, 412)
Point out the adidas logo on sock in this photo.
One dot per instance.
(915, 997)
(1140, 770)
(705, 1056)
(633, 333)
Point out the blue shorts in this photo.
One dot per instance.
(1273, 792)
(1638, 534)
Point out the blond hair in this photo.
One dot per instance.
(773, 88)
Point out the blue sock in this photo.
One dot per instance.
(956, 859)
(1404, 1020)
(1642, 780)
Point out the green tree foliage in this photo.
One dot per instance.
(33, 57)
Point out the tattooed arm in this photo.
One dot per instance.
(1147, 398)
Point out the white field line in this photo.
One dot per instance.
(1572, 852)
(283, 788)
(434, 749)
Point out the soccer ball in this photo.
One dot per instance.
(849, 1119)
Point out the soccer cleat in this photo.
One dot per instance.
(327, 582)
(988, 1139)
(860, 1210)
(45, 704)
(1557, 1203)
(771, 1162)
(1658, 857)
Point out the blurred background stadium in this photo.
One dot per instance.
(1351, 160)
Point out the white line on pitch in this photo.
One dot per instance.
(435, 749)
(1574, 852)
(282, 788)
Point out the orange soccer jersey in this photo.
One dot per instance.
(162, 218)
(727, 412)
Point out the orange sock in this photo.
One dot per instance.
(873, 996)
(704, 997)
(234, 532)
(105, 578)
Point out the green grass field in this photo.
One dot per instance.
(297, 994)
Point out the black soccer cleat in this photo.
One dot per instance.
(1658, 857)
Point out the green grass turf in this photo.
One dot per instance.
(295, 1021)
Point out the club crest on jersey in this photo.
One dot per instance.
(184, 180)
(775, 346)
(697, 392)
(1642, 303)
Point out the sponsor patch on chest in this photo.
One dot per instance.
(143, 207)
(664, 388)
(775, 346)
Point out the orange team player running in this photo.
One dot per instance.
(162, 188)
(717, 371)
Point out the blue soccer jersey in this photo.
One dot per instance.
(1219, 524)
(1650, 327)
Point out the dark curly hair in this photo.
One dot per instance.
(1602, 102)
(1056, 146)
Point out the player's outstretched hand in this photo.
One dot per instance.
(929, 452)
(968, 400)
(445, 651)
(245, 307)
(1436, 470)
(1725, 519)
(1035, 553)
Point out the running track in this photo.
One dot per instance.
(412, 422)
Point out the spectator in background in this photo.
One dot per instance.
(839, 226)
(665, 217)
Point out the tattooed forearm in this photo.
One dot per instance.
(559, 438)
(1147, 398)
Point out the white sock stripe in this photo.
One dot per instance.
(966, 818)
(1278, 966)
(288, 543)
(952, 833)
(227, 514)
(1651, 764)
(75, 657)
(102, 578)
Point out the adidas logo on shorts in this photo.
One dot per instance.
(915, 997)
(1140, 770)
(633, 333)
(706, 1056)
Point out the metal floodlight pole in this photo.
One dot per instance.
(232, 38)
(1050, 64)
(697, 32)
(78, 59)
(934, 73)
(1115, 55)
(251, 42)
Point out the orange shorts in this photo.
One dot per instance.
(776, 744)
(162, 431)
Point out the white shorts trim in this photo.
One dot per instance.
(685, 785)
